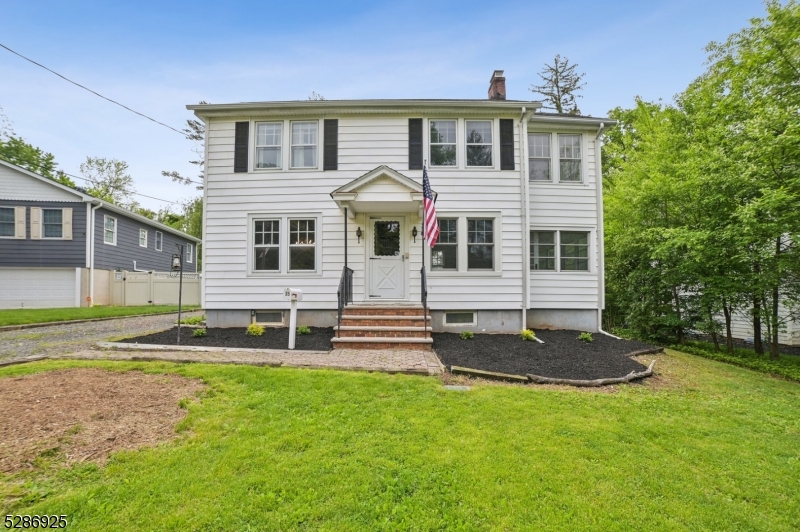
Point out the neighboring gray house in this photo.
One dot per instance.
(59, 246)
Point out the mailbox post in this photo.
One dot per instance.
(293, 295)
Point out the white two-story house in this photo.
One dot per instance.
(295, 191)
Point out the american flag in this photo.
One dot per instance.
(431, 229)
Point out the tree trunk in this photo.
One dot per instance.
(757, 345)
(728, 337)
(713, 329)
(773, 348)
(681, 338)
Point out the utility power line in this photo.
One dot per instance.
(93, 92)
(113, 188)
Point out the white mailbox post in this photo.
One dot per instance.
(293, 295)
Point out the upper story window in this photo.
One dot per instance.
(304, 144)
(302, 249)
(539, 156)
(7, 222)
(267, 245)
(189, 253)
(443, 142)
(479, 142)
(444, 255)
(52, 222)
(143, 238)
(110, 230)
(159, 240)
(569, 154)
(480, 244)
(268, 145)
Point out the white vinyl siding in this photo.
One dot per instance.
(142, 238)
(109, 230)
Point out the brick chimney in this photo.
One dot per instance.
(497, 86)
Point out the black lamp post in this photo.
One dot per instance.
(177, 269)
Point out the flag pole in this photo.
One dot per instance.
(423, 277)
(424, 169)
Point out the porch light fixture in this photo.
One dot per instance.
(414, 233)
(176, 262)
(358, 234)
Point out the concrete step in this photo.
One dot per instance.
(382, 343)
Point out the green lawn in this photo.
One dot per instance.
(705, 446)
(23, 316)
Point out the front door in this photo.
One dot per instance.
(387, 264)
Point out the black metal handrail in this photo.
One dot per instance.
(344, 294)
(424, 291)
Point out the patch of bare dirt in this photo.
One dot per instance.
(77, 415)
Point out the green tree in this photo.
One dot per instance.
(108, 179)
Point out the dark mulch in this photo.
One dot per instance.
(561, 356)
(273, 338)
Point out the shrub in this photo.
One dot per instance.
(466, 335)
(199, 332)
(586, 337)
(528, 335)
(304, 329)
(254, 329)
(194, 320)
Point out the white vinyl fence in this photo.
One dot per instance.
(131, 289)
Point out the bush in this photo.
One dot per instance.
(199, 332)
(586, 337)
(466, 335)
(528, 335)
(194, 320)
(254, 329)
(304, 329)
(786, 366)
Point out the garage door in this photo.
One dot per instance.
(38, 287)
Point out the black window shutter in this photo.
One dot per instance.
(415, 144)
(331, 152)
(506, 144)
(240, 147)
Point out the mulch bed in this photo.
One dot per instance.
(78, 415)
(273, 338)
(561, 356)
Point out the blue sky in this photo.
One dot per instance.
(156, 57)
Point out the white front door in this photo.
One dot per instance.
(386, 257)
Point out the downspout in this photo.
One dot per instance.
(601, 261)
(525, 205)
(91, 258)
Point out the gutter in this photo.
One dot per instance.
(526, 214)
(601, 260)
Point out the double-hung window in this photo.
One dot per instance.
(443, 142)
(189, 253)
(564, 251)
(304, 144)
(143, 238)
(266, 245)
(52, 222)
(444, 255)
(7, 222)
(543, 250)
(302, 248)
(159, 240)
(539, 156)
(268, 145)
(110, 230)
(480, 244)
(479, 142)
(569, 154)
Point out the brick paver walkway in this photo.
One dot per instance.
(391, 361)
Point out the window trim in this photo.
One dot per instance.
(61, 224)
(474, 322)
(252, 244)
(282, 140)
(292, 145)
(13, 221)
(462, 256)
(189, 253)
(106, 217)
(456, 143)
(254, 318)
(582, 179)
(591, 249)
(145, 237)
(159, 242)
(549, 159)
(283, 243)
(467, 144)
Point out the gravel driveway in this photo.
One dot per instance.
(60, 339)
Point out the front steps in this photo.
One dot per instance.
(383, 327)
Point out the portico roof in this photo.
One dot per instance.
(382, 190)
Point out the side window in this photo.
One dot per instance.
(574, 251)
(539, 156)
(479, 142)
(569, 155)
(302, 247)
(7, 222)
(266, 245)
(52, 220)
(543, 250)
(143, 238)
(159, 240)
(443, 142)
(480, 244)
(268, 145)
(189, 253)
(444, 255)
(110, 230)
